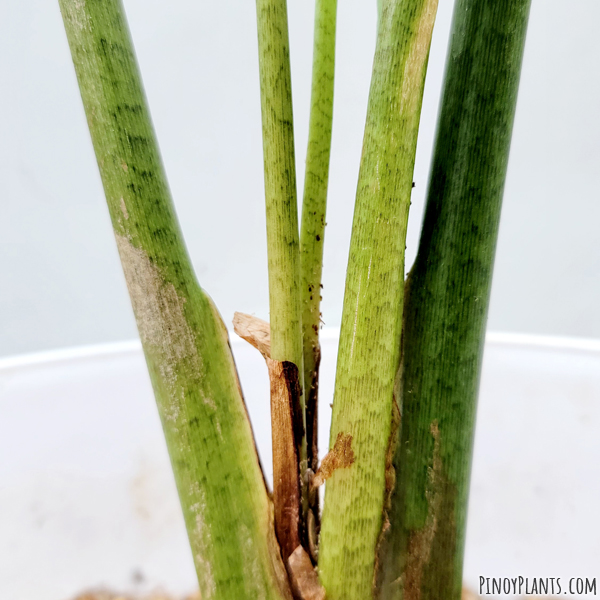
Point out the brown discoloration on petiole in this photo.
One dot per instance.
(287, 430)
(162, 323)
(279, 569)
(421, 541)
(341, 456)
(390, 483)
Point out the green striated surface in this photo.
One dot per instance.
(447, 302)
(224, 501)
(314, 203)
(283, 240)
(371, 325)
(280, 182)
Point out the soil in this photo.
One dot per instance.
(469, 595)
(104, 595)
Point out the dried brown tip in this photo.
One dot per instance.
(305, 580)
(255, 331)
(341, 456)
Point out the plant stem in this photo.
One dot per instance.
(280, 181)
(280, 194)
(221, 488)
(447, 301)
(314, 206)
(371, 326)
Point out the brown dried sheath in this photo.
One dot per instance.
(287, 431)
(285, 401)
(304, 578)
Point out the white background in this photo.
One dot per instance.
(60, 278)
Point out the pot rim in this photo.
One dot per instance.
(129, 347)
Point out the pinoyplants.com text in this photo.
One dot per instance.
(525, 586)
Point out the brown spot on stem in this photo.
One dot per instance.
(390, 471)
(440, 575)
(165, 333)
(341, 456)
(390, 483)
(421, 541)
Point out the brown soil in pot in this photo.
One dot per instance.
(469, 595)
(104, 595)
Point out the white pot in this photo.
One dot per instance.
(87, 497)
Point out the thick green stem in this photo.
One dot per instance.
(371, 325)
(314, 206)
(225, 504)
(283, 243)
(447, 300)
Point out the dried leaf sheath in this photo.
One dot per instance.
(286, 431)
(286, 422)
(225, 504)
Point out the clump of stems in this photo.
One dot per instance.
(395, 507)
(446, 307)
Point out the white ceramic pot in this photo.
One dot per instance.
(87, 497)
